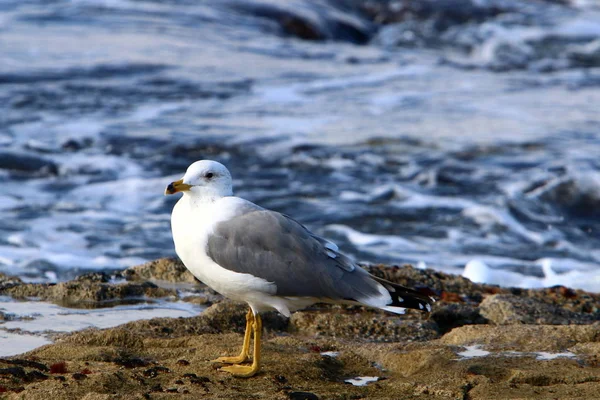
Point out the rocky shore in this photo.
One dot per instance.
(479, 342)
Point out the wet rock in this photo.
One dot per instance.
(93, 277)
(7, 281)
(127, 359)
(143, 358)
(503, 309)
(78, 376)
(225, 316)
(434, 283)
(155, 371)
(20, 374)
(302, 396)
(27, 164)
(122, 338)
(164, 269)
(452, 315)
(85, 292)
(524, 338)
(578, 301)
(35, 375)
(25, 363)
(362, 324)
(17, 372)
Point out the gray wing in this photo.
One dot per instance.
(278, 249)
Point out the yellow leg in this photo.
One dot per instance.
(244, 355)
(246, 371)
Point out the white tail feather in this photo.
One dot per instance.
(395, 310)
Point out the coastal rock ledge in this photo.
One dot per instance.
(479, 342)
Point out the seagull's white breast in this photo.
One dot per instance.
(192, 223)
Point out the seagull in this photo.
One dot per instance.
(266, 259)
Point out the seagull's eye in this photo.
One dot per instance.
(209, 175)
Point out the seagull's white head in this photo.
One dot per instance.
(204, 178)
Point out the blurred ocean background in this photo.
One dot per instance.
(442, 133)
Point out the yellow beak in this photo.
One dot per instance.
(177, 186)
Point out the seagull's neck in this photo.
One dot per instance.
(200, 196)
(197, 200)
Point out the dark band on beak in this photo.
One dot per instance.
(170, 189)
(177, 186)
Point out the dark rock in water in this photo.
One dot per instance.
(587, 55)
(474, 28)
(444, 13)
(37, 267)
(320, 22)
(508, 56)
(26, 163)
(578, 195)
(76, 144)
(294, 26)
(502, 309)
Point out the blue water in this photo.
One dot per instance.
(438, 134)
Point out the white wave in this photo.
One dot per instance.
(488, 217)
(353, 81)
(584, 26)
(120, 167)
(129, 195)
(586, 280)
(479, 272)
(365, 239)
(7, 202)
(150, 112)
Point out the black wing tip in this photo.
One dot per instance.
(409, 300)
(419, 298)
